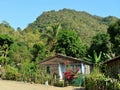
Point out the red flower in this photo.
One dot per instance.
(69, 75)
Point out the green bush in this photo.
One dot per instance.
(59, 84)
(97, 81)
(11, 73)
(112, 84)
(101, 83)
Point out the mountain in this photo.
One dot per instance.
(85, 24)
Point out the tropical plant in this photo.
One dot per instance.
(51, 34)
(100, 42)
(95, 59)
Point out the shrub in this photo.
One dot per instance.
(93, 82)
(11, 73)
(98, 81)
(59, 84)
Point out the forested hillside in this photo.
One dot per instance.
(69, 32)
(85, 24)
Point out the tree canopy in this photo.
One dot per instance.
(99, 43)
(70, 44)
(114, 32)
(5, 39)
(73, 33)
(85, 24)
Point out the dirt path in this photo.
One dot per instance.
(13, 85)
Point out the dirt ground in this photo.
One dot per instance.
(13, 85)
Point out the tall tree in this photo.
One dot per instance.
(5, 42)
(70, 44)
(51, 34)
(114, 31)
(39, 52)
(19, 53)
(100, 42)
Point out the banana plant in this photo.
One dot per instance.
(96, 59)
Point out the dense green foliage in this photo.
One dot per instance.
(69, 43)
(51, 35)
(100, 42)
(38, 52)
(83, 23)
(114, 32)
(98, 81)
(5, 28)
(5, 42)
(65, 31)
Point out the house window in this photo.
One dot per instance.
(74, 67)
(48, 69)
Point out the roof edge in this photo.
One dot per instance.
(62, 55)
(110, 60)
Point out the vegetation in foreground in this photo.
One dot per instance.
(72, 33)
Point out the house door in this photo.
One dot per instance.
(62, 69)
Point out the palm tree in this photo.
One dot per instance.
(51, 34)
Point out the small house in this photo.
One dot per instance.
(60, 63)
(113, 67)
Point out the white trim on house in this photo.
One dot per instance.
(83, 68)
(61, 69)
(60, 60)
